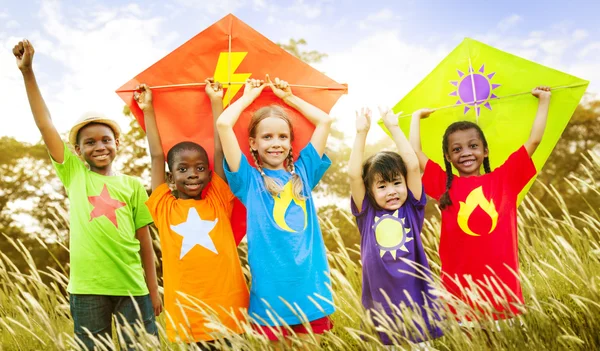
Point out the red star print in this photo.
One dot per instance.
(104, 205)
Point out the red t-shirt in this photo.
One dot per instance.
(479, 238)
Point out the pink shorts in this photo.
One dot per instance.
(318, 326)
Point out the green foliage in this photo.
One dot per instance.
(567, 159)
(294, 48)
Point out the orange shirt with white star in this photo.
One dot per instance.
(201, 267)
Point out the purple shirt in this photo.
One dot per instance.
(388, 238)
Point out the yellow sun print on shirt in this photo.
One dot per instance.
(284, 203)
(391, 234)
(476, 199)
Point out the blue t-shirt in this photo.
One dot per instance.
(286, 252)
(390, 246)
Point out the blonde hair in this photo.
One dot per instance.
(273, 185)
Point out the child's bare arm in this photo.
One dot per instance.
(157, 168)
(214, 90)
(23, 52)
(539, 124)
(409, 156)
(316, 116)
(225, 123)
(147, 255)
(415, 135)
(357, 186)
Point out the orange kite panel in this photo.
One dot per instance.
(230, 51)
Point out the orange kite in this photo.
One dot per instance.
(231, 52)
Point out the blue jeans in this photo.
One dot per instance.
(94, 314)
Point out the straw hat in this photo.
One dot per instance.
(92, 117)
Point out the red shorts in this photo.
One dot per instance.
(318, 326)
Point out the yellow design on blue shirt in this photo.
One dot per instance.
(285, 203)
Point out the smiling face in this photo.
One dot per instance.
(190, 173)
(273, 141)
(466, 151)
(98, 147)
(389, 195)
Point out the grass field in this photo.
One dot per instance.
(560, 272)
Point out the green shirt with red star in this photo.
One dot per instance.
(105, 212)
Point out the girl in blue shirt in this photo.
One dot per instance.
(290, 275)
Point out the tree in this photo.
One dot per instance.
(293, 47)
(581, 135)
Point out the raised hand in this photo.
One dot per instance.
(280, 88)
(363, 120)
(422, 113)
(542, 92)
(23, 52)
(253, 88)
(390, 119)
(213, 89)
(143, 97)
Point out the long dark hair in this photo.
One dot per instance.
(445, 200)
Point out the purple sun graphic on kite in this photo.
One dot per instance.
(474, 89)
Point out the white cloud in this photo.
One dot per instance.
(3, 14)
(11, 24)
(379, 69)
(509, 22)
(580, 34)
(554, 47)
(378, 19)
(95, 60)
(214, 7)
(593, 47)
(310, 11)
(259, 4)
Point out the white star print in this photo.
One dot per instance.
(195, 231)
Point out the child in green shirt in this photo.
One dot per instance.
(112, 260)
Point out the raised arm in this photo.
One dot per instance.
(214, 90)
(23, 52)
(357, 186)
(415, 135)
(316, 116)
(157, 156)
(409, 156)
(225, 122)
(539, 124)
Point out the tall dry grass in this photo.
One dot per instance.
(560, 274)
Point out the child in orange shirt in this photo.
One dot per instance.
(202, 270)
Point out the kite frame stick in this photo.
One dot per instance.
(229, 59)
(471, 73)
(185, 85)
(503, 97)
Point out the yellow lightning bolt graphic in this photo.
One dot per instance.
(222, 74)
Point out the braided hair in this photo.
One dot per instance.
(445, 200)
(273, 185)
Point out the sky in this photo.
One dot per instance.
(86, 49)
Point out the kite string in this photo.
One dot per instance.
(502, 97)
(184, 85)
